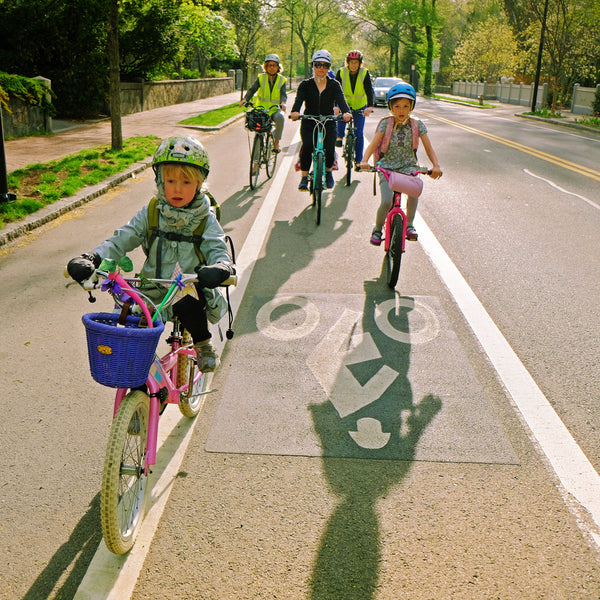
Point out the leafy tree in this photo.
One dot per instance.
(207, 35)
(487, 51)
(246, 18)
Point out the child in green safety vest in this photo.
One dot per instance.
(271, 95)
(358, 91)
(186, 236)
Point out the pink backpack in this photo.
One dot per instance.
(385, 140)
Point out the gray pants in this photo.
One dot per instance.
(279, 119)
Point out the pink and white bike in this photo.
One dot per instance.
(122, 355)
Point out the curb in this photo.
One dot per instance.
(49, 213)
(558, 122)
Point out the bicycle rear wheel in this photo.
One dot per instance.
(124, 484)
(319, 175)
(349, 156)
(394, 253)
(270, 158)
(255, 160)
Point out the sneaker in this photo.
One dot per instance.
(329, 180)
(376, 237)
(206, 357)
(411, 233)
(357, 167)
(339, 142)
(303, 187)
(276, 150)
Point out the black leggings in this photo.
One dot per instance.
(192, 314)
(306, 132)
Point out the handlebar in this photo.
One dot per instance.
(319, 118)
(130, 286)
(386, 172)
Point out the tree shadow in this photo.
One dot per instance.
(74, 557)
(385, 432)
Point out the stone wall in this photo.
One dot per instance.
(138, 97)
(23, 119)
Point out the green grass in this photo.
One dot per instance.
(215, 117)
(546, 113)
(589, 121)
(41, 184)
(462, 101)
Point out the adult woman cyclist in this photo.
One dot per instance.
(271, 95)
(319, 94)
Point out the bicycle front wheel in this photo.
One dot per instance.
(349, 156)
(394, 253)
(319, 175)
(270, 158)
(255, 159)
(124, 484)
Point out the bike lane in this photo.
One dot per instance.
(358, 442)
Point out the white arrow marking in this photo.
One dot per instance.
(344, 345)
(369, 435)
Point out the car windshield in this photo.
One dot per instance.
(385, 82)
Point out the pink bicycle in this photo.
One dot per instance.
(122, 355)
(395, 221)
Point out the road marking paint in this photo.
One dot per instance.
(551, 183)
(112, 577)
(561, 162)
(574, 470)
(265, 324)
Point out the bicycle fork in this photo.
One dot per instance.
(395, 210)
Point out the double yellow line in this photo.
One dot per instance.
(566, 164)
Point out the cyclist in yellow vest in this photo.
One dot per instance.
(358, 90)
(271, 94)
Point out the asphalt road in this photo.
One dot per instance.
(358, 445)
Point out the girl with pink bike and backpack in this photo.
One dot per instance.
(394, 147)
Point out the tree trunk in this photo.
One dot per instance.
(115, 76)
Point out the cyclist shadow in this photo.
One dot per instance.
(364, 455)
(292, 245)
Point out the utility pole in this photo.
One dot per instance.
(539, 61)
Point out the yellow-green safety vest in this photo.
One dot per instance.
(268, 98)
(358, 98)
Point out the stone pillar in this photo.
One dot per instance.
(47, 118)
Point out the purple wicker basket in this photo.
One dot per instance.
(120, 357)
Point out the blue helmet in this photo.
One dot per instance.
(402, 90)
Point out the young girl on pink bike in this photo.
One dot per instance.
(395, 149)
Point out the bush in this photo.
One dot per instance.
(30, 91)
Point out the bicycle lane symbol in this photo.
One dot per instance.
(346, 345)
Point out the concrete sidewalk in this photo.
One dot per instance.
(162, 122)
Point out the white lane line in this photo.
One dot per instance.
(575, 472)
(551, 183)
(112, 577)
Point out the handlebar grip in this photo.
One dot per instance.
(231, 280)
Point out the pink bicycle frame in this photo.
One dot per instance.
(162, 374)
(395, 210)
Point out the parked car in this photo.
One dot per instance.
(381, 86)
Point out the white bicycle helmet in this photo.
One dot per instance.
(272, 57)
(321, 56)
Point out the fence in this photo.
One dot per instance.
(503, 91)
(581, 102)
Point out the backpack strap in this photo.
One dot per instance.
(415, 133)
(384, 144)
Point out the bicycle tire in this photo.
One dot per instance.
(191, 402)
(394, 254)
(319, 176)
(270, 158)
(124, 484)
(255, 160)
(349, 156)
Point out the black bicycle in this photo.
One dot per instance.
(260, 122)
(349, 150)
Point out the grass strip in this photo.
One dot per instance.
(215, 117)
(41, 184)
